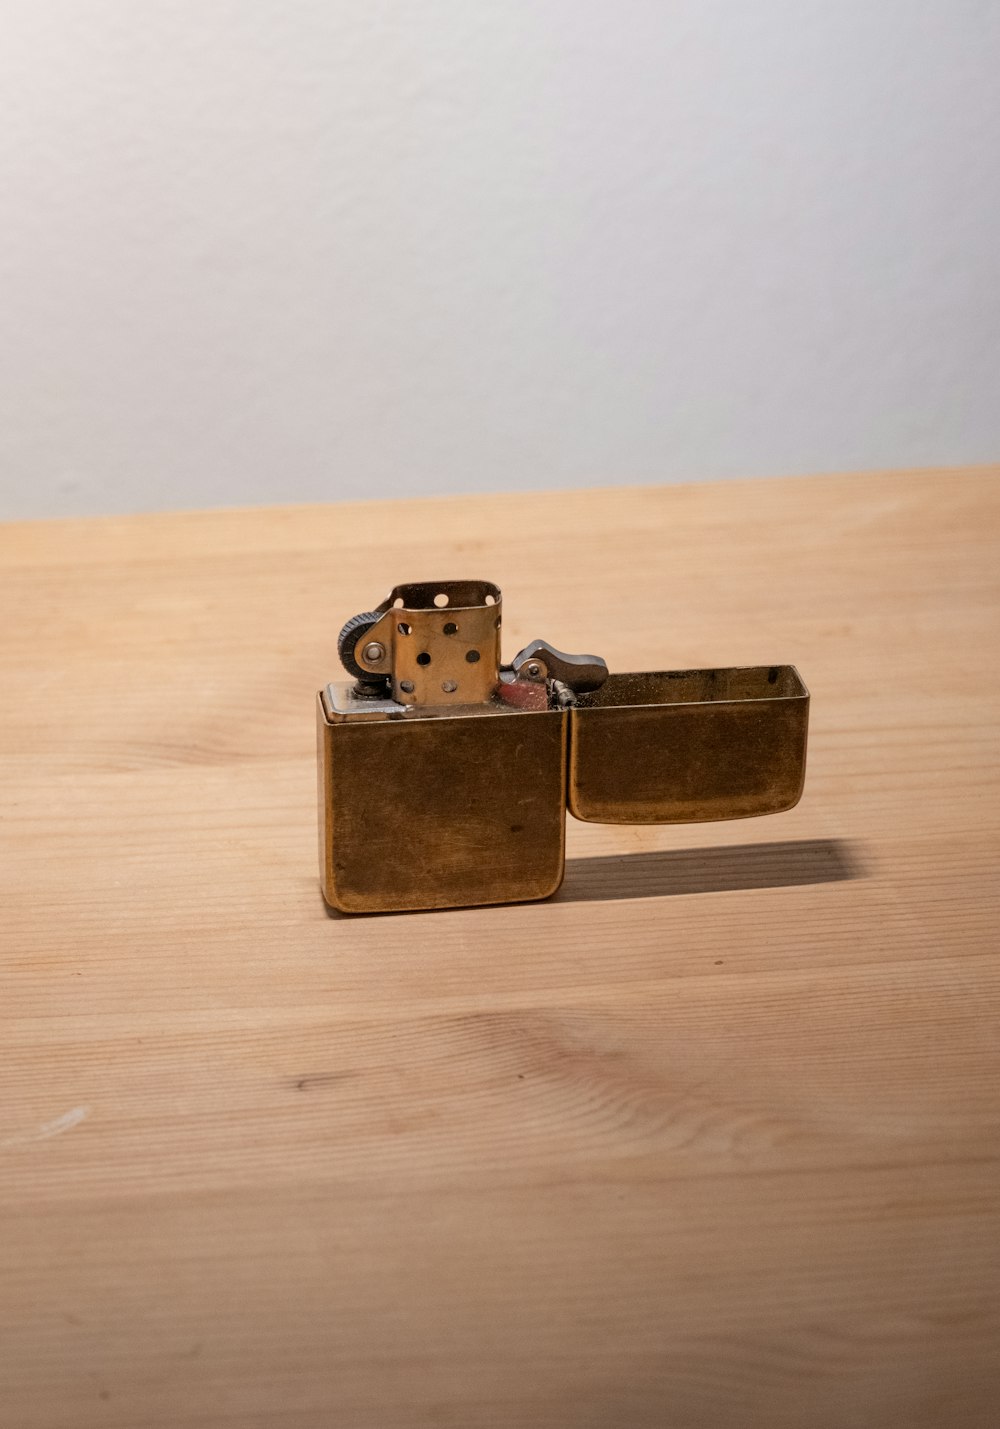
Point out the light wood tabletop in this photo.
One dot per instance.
(711, 1139)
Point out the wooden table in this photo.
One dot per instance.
(710, 1140)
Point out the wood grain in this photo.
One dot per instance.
(709, 1140)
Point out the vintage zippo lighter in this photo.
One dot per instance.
(445, 776)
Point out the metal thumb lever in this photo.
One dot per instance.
(580, 672)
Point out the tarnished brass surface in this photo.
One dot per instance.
(439, 642)
(688, 746)
(444, 776)
(442, 810)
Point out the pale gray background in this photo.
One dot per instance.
(287, 250)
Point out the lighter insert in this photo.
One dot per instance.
(444, 776)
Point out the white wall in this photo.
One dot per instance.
(270, 250)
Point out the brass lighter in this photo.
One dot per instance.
(445, 776)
